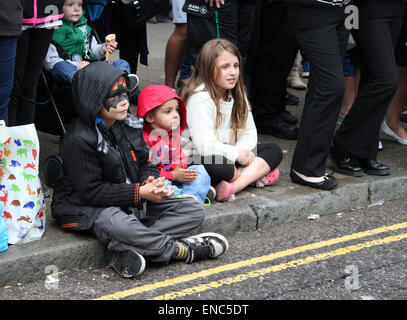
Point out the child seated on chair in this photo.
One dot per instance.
(164, 116)
(73, 46)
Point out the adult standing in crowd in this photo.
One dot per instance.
(233, 20)
(391, 125)
(321, 33)
(11, 19)
(177, 44)
(131, 34)
(40, 17)
(354, 147)
(271, 67)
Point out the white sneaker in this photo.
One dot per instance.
(205, 246)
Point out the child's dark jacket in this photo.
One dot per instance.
(103, 167)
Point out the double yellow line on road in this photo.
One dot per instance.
(266, 258)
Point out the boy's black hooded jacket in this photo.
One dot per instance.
(103, 167)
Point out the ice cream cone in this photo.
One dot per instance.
(109, 39)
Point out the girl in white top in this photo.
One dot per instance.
(221, 132)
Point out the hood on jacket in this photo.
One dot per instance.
(90, 88)
(154, 96)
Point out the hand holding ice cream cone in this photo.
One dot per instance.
(110, 45)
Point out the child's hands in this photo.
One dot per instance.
(155, 191)
(109, 47)
(82, 64)
(245, 157)
(184, 175)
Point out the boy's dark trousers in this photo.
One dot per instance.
(324, 47)
(153, 237)
(359, 132)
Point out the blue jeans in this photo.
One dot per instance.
(64, 71)
(198, 188)
(8, 47)
(349, 70)
(185, 71)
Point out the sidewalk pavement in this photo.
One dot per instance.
(253, 208)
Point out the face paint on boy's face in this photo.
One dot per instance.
(115, 97)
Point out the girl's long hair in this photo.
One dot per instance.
(205, 72)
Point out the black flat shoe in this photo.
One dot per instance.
(280, 129)
(372, 167)
(329, 182)
(289, 118)
(342, 162)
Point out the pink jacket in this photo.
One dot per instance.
(166, 149)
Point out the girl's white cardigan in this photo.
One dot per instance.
(201, 137)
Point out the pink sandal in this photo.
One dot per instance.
(269, 179)
(224, 190)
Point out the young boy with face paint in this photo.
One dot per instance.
(111, 184)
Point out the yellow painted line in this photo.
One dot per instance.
(283, 266)
(249, 262)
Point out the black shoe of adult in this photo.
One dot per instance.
(342, 162)
(329, 182)
(291, 99)
(280, 129)
(289, 118)
(372, 167)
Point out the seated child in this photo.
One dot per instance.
(164, 116)
(111, 184)
(73, 46)
(221, 130)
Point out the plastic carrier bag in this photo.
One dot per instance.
(21, 194)
(3, 232)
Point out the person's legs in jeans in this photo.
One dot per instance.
(122, 65)
(63, 72)
(200, 186)
(8, 47)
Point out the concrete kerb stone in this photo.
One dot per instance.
(252, 209)
(390, 188)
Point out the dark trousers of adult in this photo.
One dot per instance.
(8, 47)
(273, 62)
(32, 47)
(132, 41)
(233, 21)
(359, 132)
(324, 47)
(220, 168)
